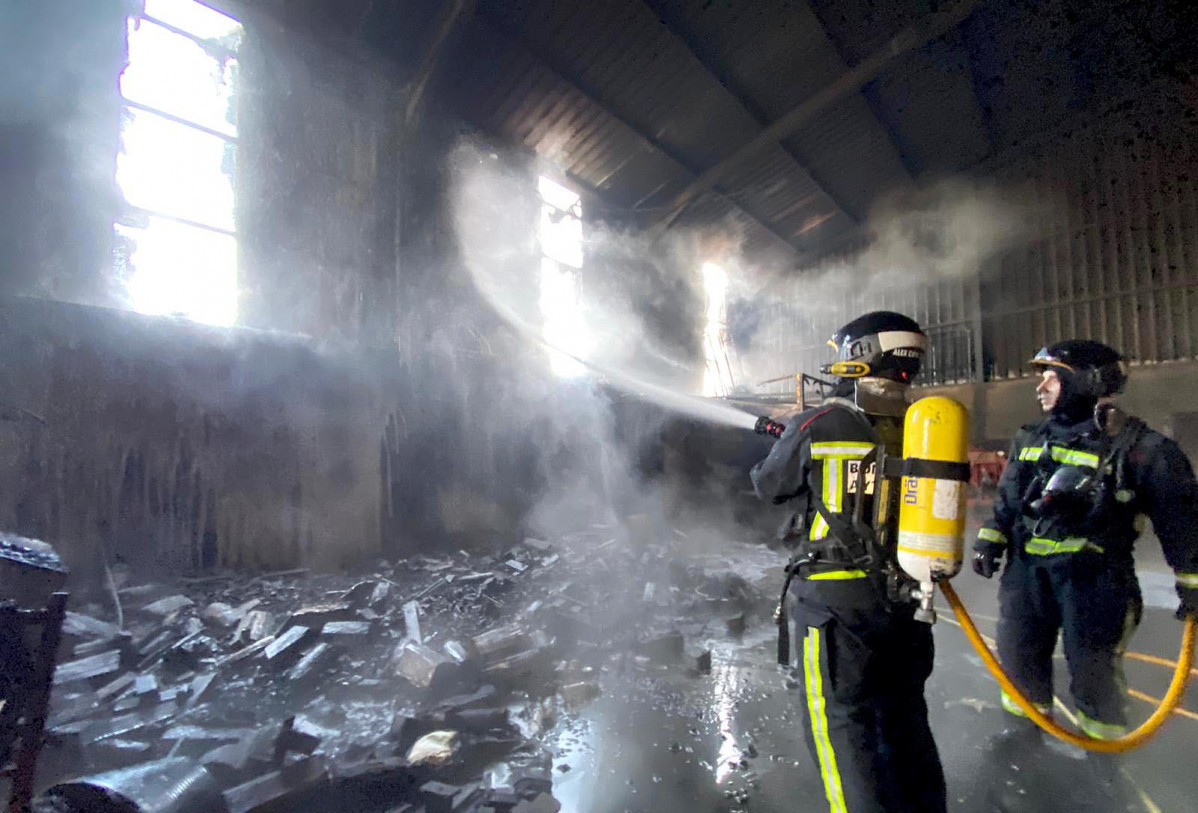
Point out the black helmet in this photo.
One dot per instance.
(881, 344)
(1091, 369)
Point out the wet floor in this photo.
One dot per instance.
(732, 740)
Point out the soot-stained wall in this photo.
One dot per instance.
(174, 446)
(59, 132)
(167, 444)
(318, 186)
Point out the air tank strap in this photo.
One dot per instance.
(931, 469)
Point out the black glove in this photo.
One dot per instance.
(1189, 602)
(986, 559)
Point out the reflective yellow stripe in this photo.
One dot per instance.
(832, 469)
(819, 528)
(1187, 579)
(1072, 544)
(1097, 730)
(830, 493)
(836, 575)
(1008, 703)
(991, 535)
(1073, 457)
(817, 710)
(841, 449)
(1061, 454)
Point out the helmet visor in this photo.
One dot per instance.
(1045, 358)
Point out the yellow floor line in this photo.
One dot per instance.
(1145, 799)
(1147, 698)
(1135, 656)
(1140, 656)
(1149, 805)
(990, 642)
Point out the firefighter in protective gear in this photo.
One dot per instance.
(1065, 518)
(862, 656)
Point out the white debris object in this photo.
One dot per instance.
(436, 748)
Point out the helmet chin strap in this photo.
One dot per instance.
(1072, 407)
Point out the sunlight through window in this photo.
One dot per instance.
(177, 243)
(560, 234)
(717, 373)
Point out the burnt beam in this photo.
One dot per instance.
(848, 83)
(595, 98)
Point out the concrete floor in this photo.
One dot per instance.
(732, 741)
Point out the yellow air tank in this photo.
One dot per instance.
(931, 525)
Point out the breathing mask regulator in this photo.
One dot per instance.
(1072, 498)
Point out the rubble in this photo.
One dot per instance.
(698, 659)
(419, 664)
(544, 803)
(286, 648)
(411, 620)
(354, 685)
(93, 666)
(168, 605)
(220, 614)
(312, 662)
(435, 748)
(346, 628)
(274, 786)
(438, 797)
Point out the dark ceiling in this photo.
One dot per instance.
(642, 102)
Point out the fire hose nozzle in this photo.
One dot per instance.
(768, 426)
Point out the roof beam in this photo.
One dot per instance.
(848, 83)
(594, 97)
(454, 15)
(676, 28)
(890, 132)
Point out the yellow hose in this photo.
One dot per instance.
(1128, 741)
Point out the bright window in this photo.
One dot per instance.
(177, 239)
(560, 234)
(717, 372)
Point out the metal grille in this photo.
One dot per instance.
(1112, 255)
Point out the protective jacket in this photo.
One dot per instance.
(827, 457)
(1153, 477)
(1070, 572)
(863, 662)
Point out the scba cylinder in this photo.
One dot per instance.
(931, 526)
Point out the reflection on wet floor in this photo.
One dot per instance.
(732, 740)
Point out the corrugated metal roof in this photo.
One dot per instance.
(645, 115)
(635, 98)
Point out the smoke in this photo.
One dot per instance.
(921, 245)
(946, 231)
(638, 310)
(639, 305)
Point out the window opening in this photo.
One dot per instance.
(177, 240)
(560, 233)
(717, 371)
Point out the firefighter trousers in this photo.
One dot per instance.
(1094, 603)
(863, 665)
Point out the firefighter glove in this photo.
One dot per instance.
(1189, 602)
(986, 559)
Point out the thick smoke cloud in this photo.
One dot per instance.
(642, 306)
(940, 236)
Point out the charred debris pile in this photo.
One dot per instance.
(429, 684)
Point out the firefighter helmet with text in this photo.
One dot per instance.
(880, 344)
